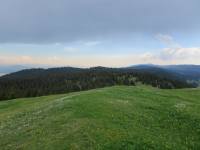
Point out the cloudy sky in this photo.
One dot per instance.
(99, 32)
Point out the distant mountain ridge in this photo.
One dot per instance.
(183, 72)
(37, 82)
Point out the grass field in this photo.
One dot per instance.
(119, 117)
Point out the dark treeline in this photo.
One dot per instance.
(38, 82)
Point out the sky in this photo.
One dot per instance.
(112, 33)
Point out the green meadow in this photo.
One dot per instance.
(112, 118)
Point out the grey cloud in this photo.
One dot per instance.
(47, 21)
(167, 40)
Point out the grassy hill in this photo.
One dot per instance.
(119, 117)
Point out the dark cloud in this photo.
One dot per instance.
(48, 21)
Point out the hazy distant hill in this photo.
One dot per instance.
(6, 69)
(1, 74)
(191, 72)
(183, 72)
